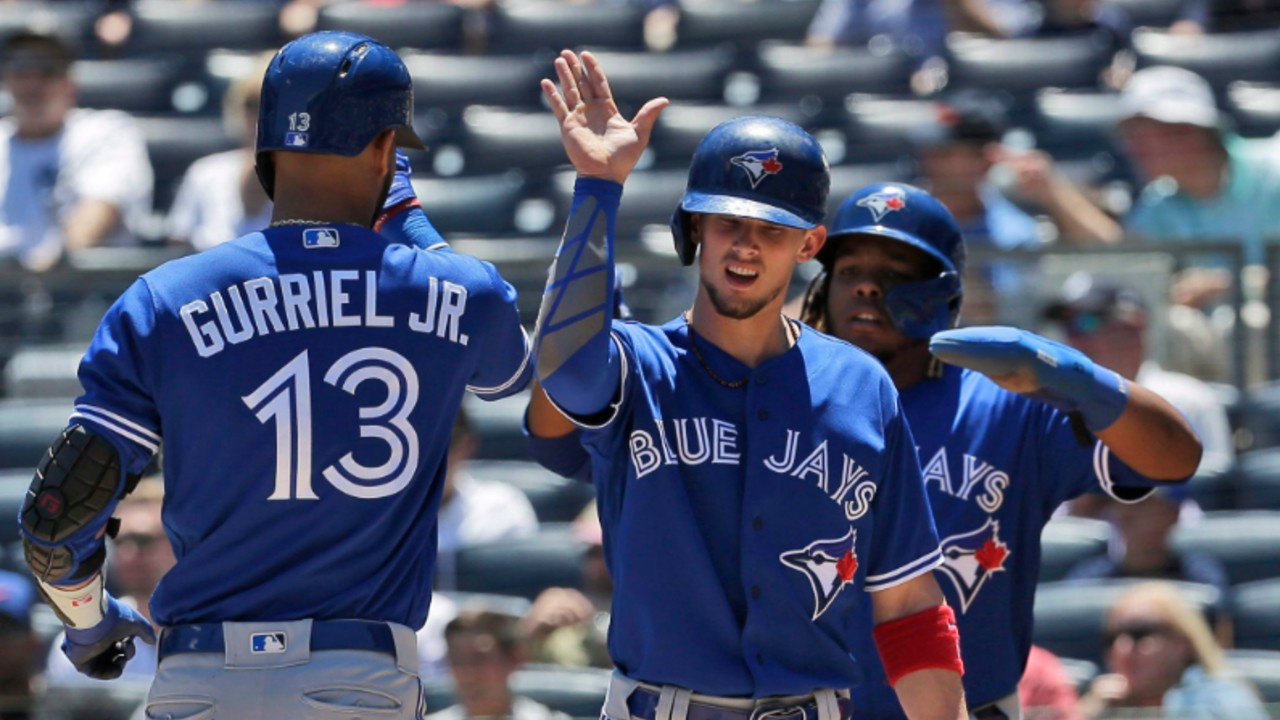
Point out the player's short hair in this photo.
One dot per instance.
(502, 627)
(36, 50)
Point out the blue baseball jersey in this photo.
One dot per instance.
(742, 525)
(304, 382)
(996, 466)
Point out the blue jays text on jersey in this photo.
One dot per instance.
(996, 466)
(305, 382)
(771, 508)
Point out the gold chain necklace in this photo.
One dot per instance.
(299, 221)
(793, 336)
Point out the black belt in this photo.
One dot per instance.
(643, 704)
(325, 635)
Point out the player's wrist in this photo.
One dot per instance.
(82, 606)
(1107, 401)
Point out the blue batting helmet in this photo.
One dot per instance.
(332, 93)
(911, 216)
(757, 167)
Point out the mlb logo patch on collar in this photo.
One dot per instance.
(296, 139)
(320, 238)
(268, 643)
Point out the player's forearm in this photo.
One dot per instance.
(1153, 438)
(576, 361)
(932, 695)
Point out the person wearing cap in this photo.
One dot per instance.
(20, 648)
(1108, 321)
(77, 178)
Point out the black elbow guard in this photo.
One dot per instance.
(75, 487)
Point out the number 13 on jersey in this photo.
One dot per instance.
(285, 400)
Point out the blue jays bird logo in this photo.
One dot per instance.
(758, 164)
(828, 564)
(970, 558)
(884, 202)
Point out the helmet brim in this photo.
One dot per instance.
(708, 204)
(407, 138)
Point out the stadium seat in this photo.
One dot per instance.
(420, 25)
(555, 499)
(1260, 416)
(682, 126)
(173, 143)
(1066, 541)
(548, 26)
(496, 139)
(792, 71)
(651, 197)
(497, 424)
(1221, 58)
(1022, 66)
(450, 82)
(576, 692)
(71, 21)
(524, 567)
(162, 27)
(43, 371)
(883, 129)
(1247, 542)
(1259, 667)
(1075, 123)
(743, 22)
(472, 204)
(1070, 615)
(135, 85)
(1256, 607)
(1255, 107)
(1214, 489)
(1257, 479)
(680, 75)
(1154, 13)
(26, 429)
(13, 489)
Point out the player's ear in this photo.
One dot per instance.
(382, 150)
(813, 241)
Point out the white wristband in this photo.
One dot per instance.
(82, 606)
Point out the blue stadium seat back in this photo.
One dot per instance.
(1256, 609)
(485, 204)
(790, 71)
(743, 23)
(577, 692)
(1022, 66)
(1257, 479)
(555, 499)
(1070, 615)
(163, 27)
(1214, 489)
(1154, 13)
(881, 129)
(548, 26)
(174, 143)
(523, 567)
(13, 490)
(1221, 58)
(1255, 108)
(1066, 541)
(135, 85)
(1247, 542)
(683, 125)
(1076, 123)
(419, 25)
(1260, 416)
(450, 81)
(696, 75)
(497, 139)
(1259, 667)
(27, 427)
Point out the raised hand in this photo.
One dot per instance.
(599, 141)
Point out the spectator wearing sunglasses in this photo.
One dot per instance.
(1161, 655)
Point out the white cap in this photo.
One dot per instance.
(1170, 95)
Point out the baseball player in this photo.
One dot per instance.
(754, 477)
(305, 380)
(996, 463)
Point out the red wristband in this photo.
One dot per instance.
(395, 210)
(926, 640)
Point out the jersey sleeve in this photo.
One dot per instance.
(503, 366)
(564, 455)
(904, 541)
(1073, 469)
(118, 373)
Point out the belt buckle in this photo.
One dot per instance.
(777, 711)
